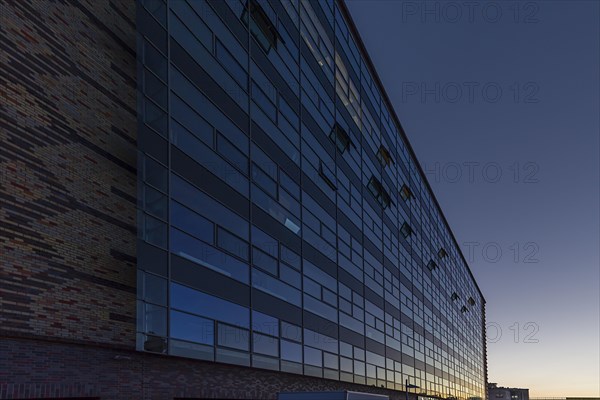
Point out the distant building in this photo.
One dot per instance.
(506, 393)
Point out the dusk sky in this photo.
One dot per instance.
(501, 104)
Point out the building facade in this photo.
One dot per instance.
(501, 392)
(287, 238)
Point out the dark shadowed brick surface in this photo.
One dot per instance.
(68, 169)
(40, 368)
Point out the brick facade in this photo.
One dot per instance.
(68, 162)
(42, 368)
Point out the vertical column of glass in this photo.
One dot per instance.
(153, 162)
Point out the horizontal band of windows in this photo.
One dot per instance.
(210, 160)
(209, 281)
(283, 159)
(186, 64)
(319, 308)
(200, 177)
(275, 210)
(202, 304)
(152, 259)
(152, 143)
(202, 114)
(275, 287)
(208, 256)
(287, 141)
(276, 307)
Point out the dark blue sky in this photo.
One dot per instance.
(501, 104)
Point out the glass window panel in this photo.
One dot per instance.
(232, 244)
(263, 102)
(290, 276)
(320, 341)
(155, 202)
(313, 356)
(288, 184)
(265, 242)
(155, 89)
(155, 174)
(265, 323)
(346, 364)
(203, 204)
(267, 345)
(264, 261)
(233, 357)
(330, 360)
(155, 231)
(192, 328)
(230, 336)
(291, 351)
(155, 289)
(265, 362)
(231, 64)
(194, 301)
(187, 220)
(188, 121)
(154, 60)
(231, 153)
(193, 350)
(312, 288)
(155, 117)
(208, 256)
(264, 181)
(154, 320)
(290, 257)
(275, 288)
(291, 332)
(276, 211)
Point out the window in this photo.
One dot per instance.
(261, 26)
(154, 231)
(275, 287)
(442, 253)
(265, 323)
(471, 301)
(405, 193)
(267, 345)
(339, 136)
(235, 338)
(154, 319)
(379, 192)
(327, 175)
(208, 256)
(291, 351)
(454, 296)
(232, 244)
(153, 288)
(191, 328)
(192, 223)
(431, 265)
(384, 157)
(313, 356)
(193, 301)
(464, 309)
(406, 230)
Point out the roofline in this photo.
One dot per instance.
(375, 75)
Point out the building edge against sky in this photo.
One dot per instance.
(316, 211)
(72, 146)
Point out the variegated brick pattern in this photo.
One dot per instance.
(68, 170)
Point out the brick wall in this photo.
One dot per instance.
(68, 169)
(40, 369)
